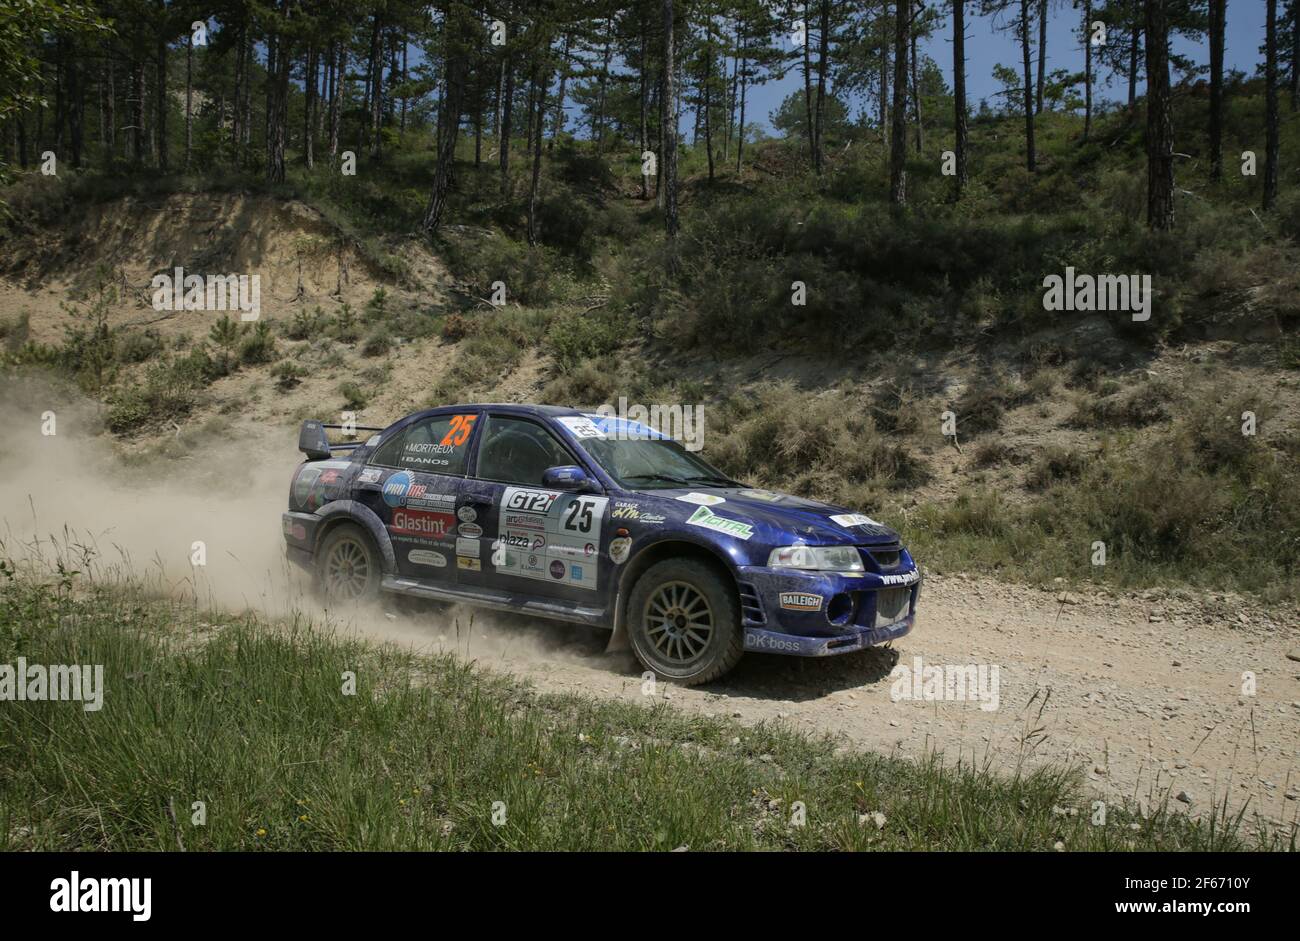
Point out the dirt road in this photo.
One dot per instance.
(1148, 694)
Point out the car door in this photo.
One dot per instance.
(533, 540)
(412, 482)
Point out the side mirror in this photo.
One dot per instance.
(568, 477)
(313, 442)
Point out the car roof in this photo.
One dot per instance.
(516, 408)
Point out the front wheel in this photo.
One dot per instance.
(347, 565)
(683, 622)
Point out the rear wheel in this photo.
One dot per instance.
(683, 622)
(347, 565)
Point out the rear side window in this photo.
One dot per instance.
(436, 445)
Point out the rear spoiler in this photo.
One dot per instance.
(315, 443)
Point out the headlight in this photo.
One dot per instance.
(816, 558)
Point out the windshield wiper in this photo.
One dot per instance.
(721, 481)
(668, 477)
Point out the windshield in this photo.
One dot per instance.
(653, 464)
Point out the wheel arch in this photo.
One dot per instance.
(668, 548)
(334, 515)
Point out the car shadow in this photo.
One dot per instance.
(802, 679)
(757, 676)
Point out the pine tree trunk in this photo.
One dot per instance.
(540, 82)
(1087, 68)
(898, 131)
(1031, 158)
(916, 97)
(809, 122)
(823, 62)
(310, 78)
(670, 125)
(959, 91)
(189, 99)
(161, 105)
(1270, 105)
(376, 88)
(707, 98)
(1042, 56)
(645, 129)
(336, 99)
(503, 145)
(1160, 130)
(1133, 54)
(1217, 11)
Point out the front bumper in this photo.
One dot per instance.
(796, 645)
(820, 614)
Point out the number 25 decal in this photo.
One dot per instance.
(579, 517)
(459, 430)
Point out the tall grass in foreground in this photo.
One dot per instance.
(251, 719)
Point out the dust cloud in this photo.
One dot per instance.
(140, 513)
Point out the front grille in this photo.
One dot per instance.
(892, 605)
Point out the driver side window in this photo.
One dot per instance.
(517, 451)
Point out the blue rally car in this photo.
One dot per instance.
(597, 520)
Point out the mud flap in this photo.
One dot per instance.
(618, 642)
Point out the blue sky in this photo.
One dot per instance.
(986, 47)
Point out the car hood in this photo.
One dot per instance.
(807, 520)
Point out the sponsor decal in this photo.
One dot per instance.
(427, 557)
(467, 546)
(407, 522)
(702, 499)
(620, 548)
(471, 565)
(581, 426)
(467, 514)
(470, 530)
(527, 500)
(769, 496)
(542, 531)
(329, 477)
(623, 510)
(854, 519)
(768, 642)
(369, 475)
(800, 601)
(396, 487)
(905, 579)
(707, 519)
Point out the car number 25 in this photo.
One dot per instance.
(578, 518)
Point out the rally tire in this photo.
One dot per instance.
(348, 565)
(683, 622)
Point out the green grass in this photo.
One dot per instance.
(251, 718)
